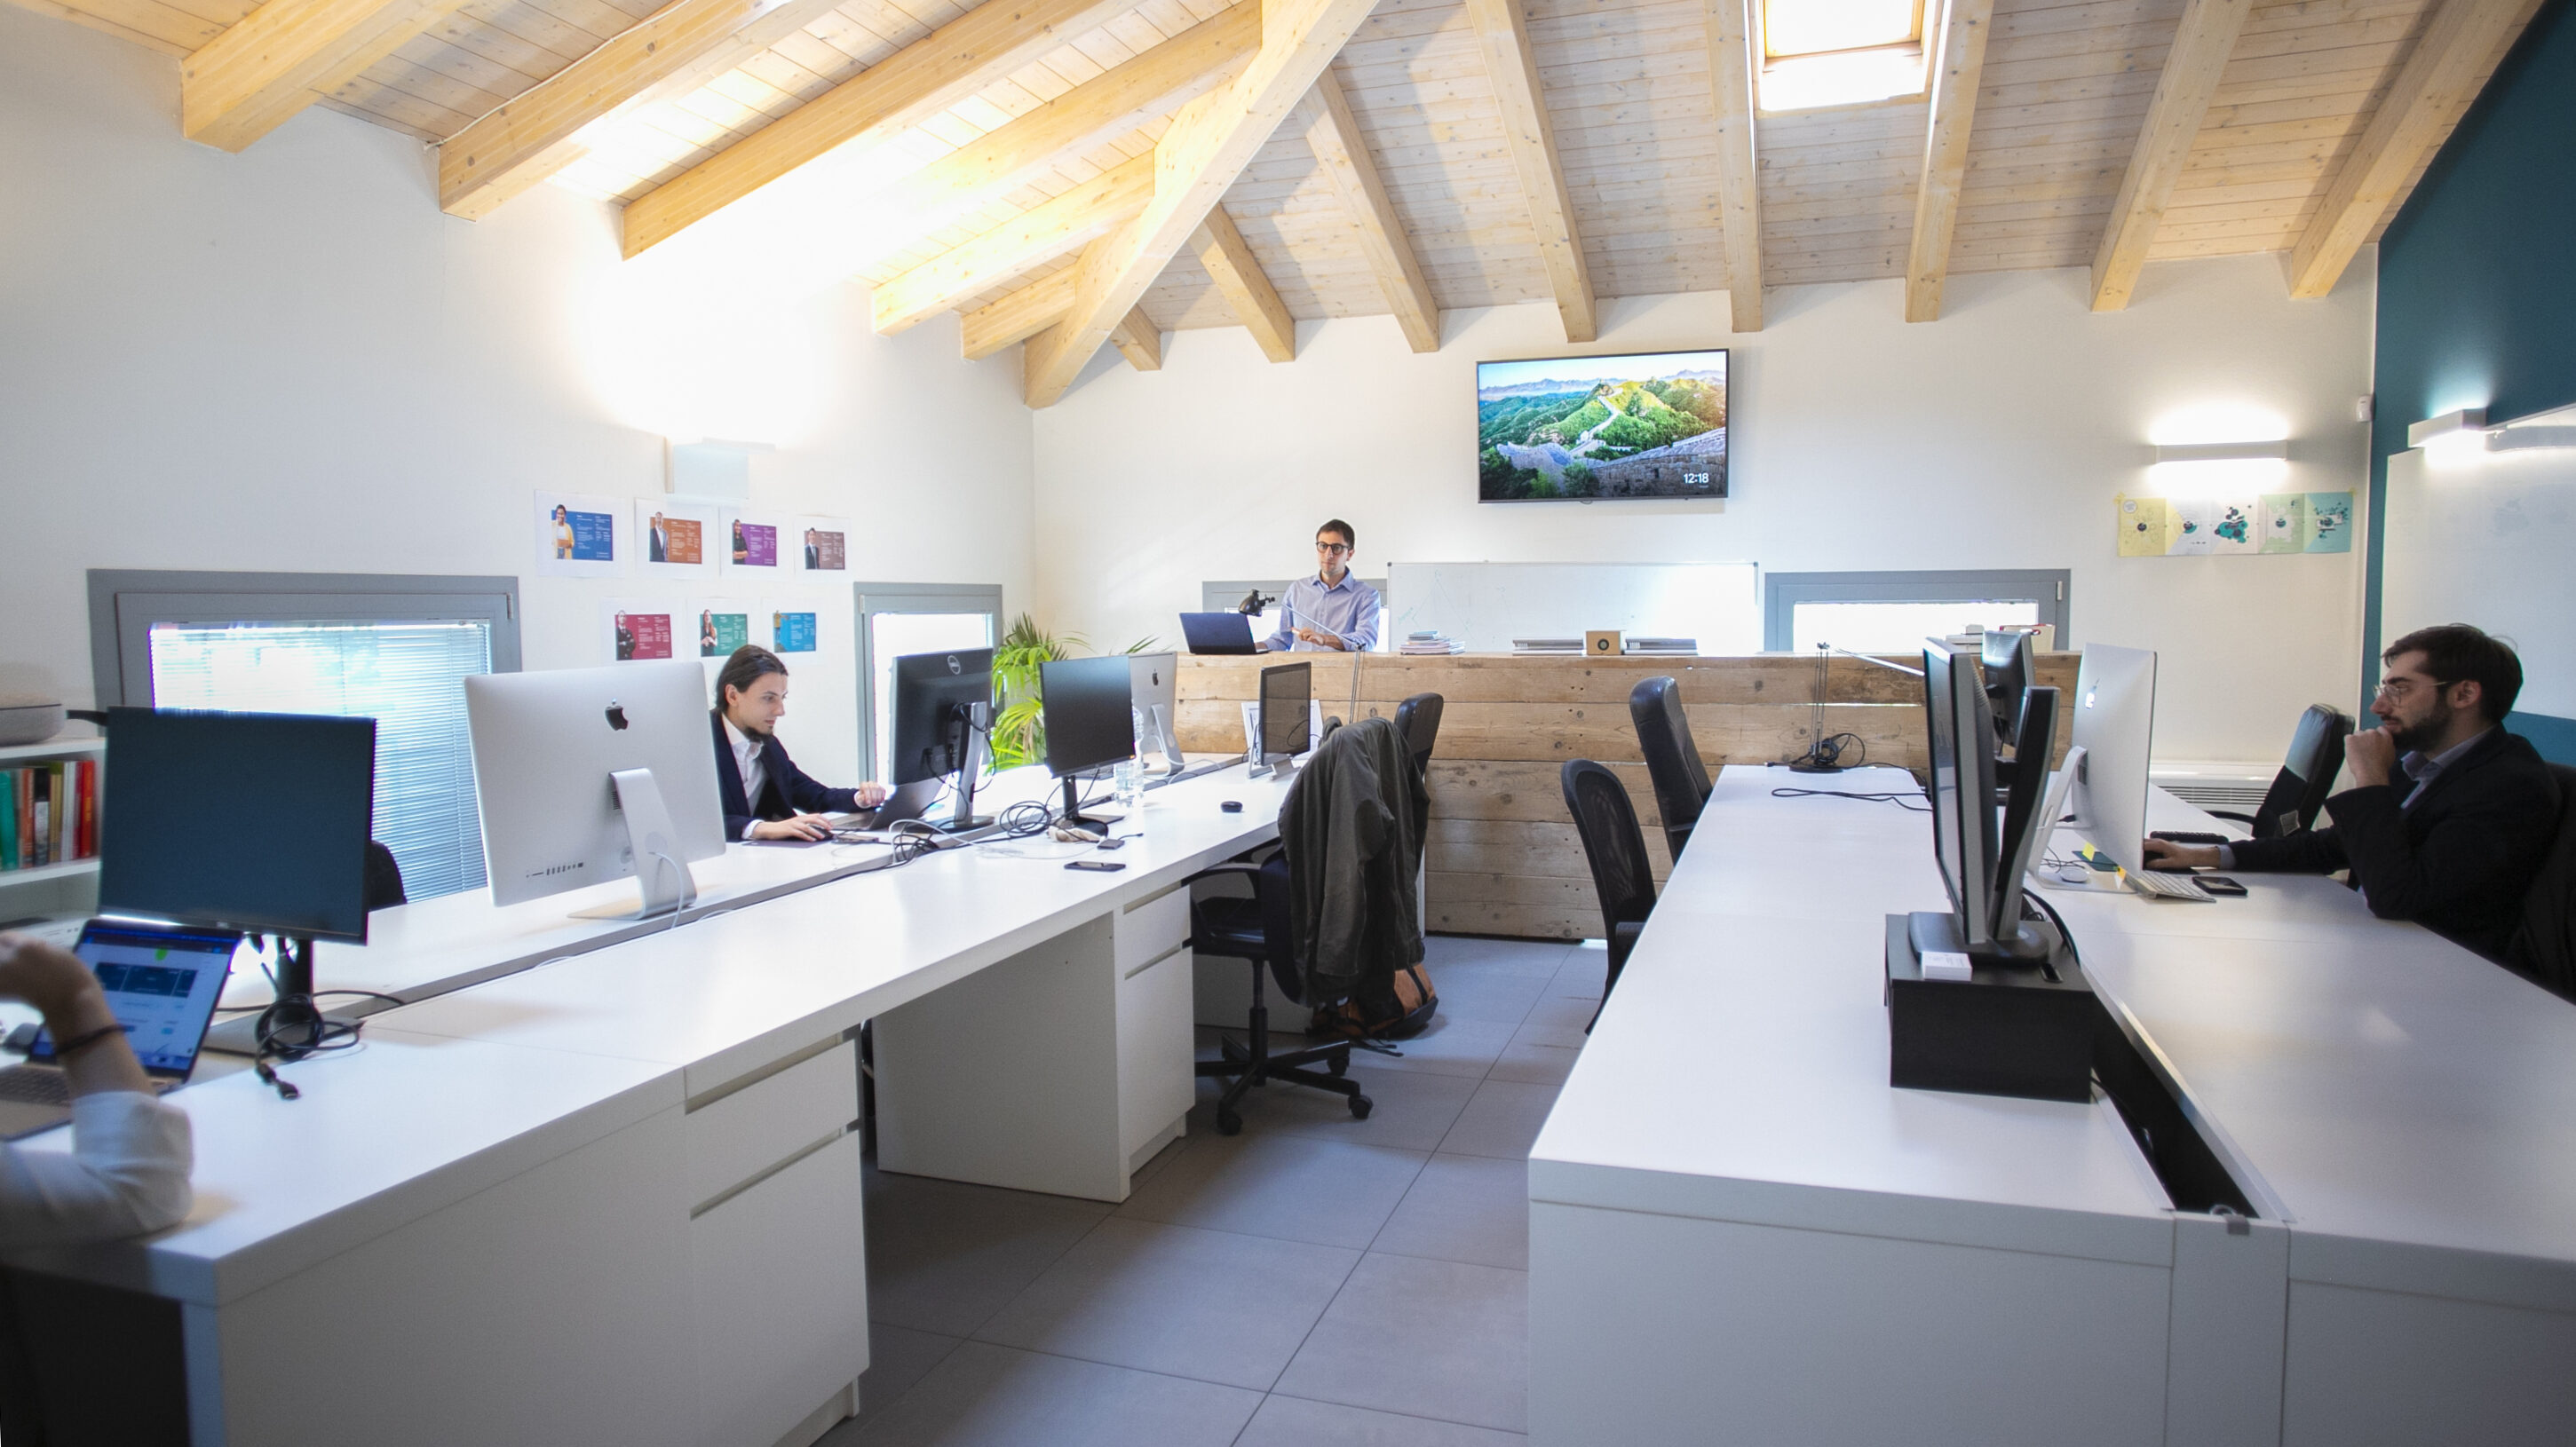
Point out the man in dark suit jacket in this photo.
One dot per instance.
(765, 795)
(2449, 816)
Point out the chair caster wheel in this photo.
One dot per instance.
(1361, 1105)
(1228, 1123)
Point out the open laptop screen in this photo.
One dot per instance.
(162, 984)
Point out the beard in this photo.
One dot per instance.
(2420, 736)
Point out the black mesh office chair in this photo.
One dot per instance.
(1257, 931)
(2307, 776)
(1672, 759)
(1418, 719)
(384, 879)
(2544, 949)
(1616, 849)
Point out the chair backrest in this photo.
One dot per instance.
(384, 883)
(1612, 843)
(2545, 947)
(1672, 759)
(1418, 719)
(2307, 775)
(1270, 889)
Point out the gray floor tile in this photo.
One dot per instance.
(898, 1357)
(1210, 1305)
(1296, 1422)
(1165, 1156)
(990, 1396)
(1500, 995)
(1293, 1188)
(1409, 1110)
(1585, 967)
(943, 1256)
(1450, 1047)
(1534, 1064)
(1502, 1119)
(1558, 1019)
(1440, 1339)
(1457, 952)
(1464, 1208)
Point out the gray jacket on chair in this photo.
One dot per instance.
(1353, 826)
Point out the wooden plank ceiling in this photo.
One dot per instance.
(1058, 155)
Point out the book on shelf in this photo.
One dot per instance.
(1430, 641)
(1547, 645)
(48, 813)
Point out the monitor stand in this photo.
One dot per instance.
(1158, 721)
(293, 1023)
(1074, 818)
(653, 844)
(1266, 765)
(969, 754)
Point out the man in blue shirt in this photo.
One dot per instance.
(1331, 611)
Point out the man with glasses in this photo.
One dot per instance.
(1331, 611)
(2448, 817)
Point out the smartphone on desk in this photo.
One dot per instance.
(1099, 866)
(2219, 884)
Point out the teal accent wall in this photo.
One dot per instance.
(2477, 302)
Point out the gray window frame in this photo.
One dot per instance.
(1783, 592)
(124, 603)
(870, 599)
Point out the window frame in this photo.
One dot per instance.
(870, 599)
(2053, 588)
(125, 603)
(1913, 40)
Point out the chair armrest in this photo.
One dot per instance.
(2245, 819)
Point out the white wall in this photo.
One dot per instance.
(1993, 438)
(290, 360)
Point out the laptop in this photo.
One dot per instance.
(1227, 632)
(162, 981)
(908, 801)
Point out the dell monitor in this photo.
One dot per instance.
(1153, 681)
(2011, 662)
(942, 709)
(253, 823)
(2115, 721)
(1090, 723)
(588, 775)
(1287, 714)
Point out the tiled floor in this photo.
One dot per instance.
(1315, 1280)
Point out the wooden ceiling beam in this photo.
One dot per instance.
(1503, 31)
(950, 64)
(1013, 319)
(673, 51)
(2201, 46)
(2462, 42)
(1739, 173)
(286, 55)
(1199, 157)
(1333, 134)
(1139, 341)
(1957, 65)
(1246, 288)
(1041, 234)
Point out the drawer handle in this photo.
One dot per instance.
(1156, 960)
(756, 1177)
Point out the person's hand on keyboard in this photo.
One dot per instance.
(2164, 854)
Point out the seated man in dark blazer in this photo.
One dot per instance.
(2448, 817)
(765, 795)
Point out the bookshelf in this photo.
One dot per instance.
(55, 889)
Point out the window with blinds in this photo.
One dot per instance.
(407, 676)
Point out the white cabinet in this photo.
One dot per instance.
(1155, 1040)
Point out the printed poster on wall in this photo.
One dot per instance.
(2273, 523)
(822, 551)
(677, 538)
(580, 536)
(641, 630)
(723, 626)
(792, 630)
(750, 542)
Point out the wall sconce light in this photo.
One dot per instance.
(2274, 450)
(2449, 424)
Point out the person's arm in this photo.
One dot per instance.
(807, 795)
(1361, 636)
(127, 1171)
(1286, 637)
(2487, 831)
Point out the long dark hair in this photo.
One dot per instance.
(749, 664)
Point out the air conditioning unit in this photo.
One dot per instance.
(2214, 785)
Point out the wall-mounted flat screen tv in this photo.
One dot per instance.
(1648, 425)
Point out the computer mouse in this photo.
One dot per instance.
(1232, 806)
(2073, 874)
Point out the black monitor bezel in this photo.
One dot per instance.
(936, 682)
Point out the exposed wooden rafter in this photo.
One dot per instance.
(1238, 275)
(286, 55)
(1958, 64)
(668, 53)
(1739, 174)
(1139, 341)
(1207, 147)
(2460, 44)
(1503, 31)
(1016, 317)
(1035, 236)
(1333, 134)
(2201, 46)
(953, 62)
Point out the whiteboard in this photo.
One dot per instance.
(1487, 605)
(2488, 539)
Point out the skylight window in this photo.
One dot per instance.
(1818, 53)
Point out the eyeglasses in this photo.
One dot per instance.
(1332, 547)
(2399, 687)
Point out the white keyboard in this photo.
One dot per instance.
(2157, 885)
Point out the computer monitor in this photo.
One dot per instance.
(1090, 723)
(2115, 720)
(1983, 856)
(588, 775)
(251, 822)
(2011, 663)
(1153, 681)
(1227, 632)
(1287, 708)
(943, 705)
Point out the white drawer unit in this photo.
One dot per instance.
(739, 1130)
(1148, 930)
(779, 1297)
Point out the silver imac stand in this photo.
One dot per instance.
(1159, 734)
(654, 846)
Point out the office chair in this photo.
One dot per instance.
(2544, 948)
(2307, 776)
(1616, 849)
(1257, 931)
(1418, 719)
(1672, 758)
(384, 879)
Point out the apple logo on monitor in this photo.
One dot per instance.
(616, 715)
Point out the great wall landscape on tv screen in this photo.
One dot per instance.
(1651, 425)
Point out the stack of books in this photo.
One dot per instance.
(50, 814)
(1664, 647)
(1429, 640)
(1528, 647)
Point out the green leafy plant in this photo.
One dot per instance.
(1019, 695)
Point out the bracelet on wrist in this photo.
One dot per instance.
(80, 1042)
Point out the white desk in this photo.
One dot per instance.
(615, 1198)
(1739, 1231)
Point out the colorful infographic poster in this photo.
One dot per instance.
(2278, 522)
(822, 551)
(641, 630)
(675, 539)
(791, 632)
(722, 628)
(750, 540)
(578, 536)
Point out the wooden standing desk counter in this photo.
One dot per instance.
(1502, 857)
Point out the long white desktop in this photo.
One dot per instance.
(615, 1197)
(1740, 1232)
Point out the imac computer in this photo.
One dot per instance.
(588, 775)
(1152, 681)
(1983, 850)
(250, 823)
(1287, 715)
(1090, 724)
(2115, 717)
(943, 704)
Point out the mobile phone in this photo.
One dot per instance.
(2219, 884)
(1114, 842)
(1098, 866)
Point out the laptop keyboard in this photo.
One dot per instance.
(27, 1086)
